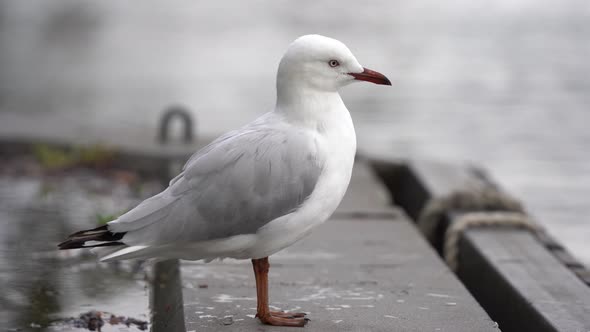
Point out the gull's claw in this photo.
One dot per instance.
(283, 314)
(283, 319)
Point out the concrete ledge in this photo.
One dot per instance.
(350, 275)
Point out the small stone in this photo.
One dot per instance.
(227, 321)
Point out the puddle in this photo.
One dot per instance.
(41, 284)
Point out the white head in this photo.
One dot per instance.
(323, 64)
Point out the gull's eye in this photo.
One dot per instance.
(334, 63)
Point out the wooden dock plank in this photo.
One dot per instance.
(502, 264)
(509, 271)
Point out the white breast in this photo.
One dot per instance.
(337, 144)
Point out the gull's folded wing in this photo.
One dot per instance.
(234, 186)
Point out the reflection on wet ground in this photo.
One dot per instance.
(41, 284)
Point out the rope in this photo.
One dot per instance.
(482, 206)
(480, 219)
(481, 198)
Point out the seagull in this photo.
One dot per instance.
(256, 190)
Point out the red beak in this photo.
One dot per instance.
(371, 76)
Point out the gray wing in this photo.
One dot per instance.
(233, 186)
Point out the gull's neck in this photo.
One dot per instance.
(307, 106)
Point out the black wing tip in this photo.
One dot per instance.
(102, 234)
(65, 245)
(71, 245)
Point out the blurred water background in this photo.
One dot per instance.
(504, 84)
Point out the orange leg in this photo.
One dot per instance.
(266, 316)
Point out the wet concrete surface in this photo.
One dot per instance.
(41, 285)
(349, 275)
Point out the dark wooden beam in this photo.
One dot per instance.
(517, 276)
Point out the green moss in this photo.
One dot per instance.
(58, 158)
(94, 154)
(52, 158)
